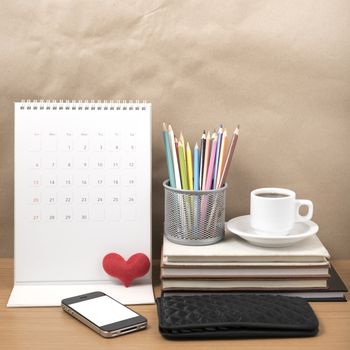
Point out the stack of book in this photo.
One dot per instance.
(235, 265)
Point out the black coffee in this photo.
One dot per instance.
(271, 195)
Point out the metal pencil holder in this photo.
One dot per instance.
(194, 217)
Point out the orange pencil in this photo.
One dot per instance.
(222, 156)
(229, 157)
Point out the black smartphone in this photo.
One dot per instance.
(103, 314)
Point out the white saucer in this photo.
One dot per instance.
(241, 227)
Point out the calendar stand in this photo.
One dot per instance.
(82, 190)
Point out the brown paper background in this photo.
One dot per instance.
(281, 69)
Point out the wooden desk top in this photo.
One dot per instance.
(51, 328)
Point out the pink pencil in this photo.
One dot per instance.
(206, 160)
(208, 184)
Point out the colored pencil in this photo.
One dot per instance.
(183, 170)
(174, 158)
(211, 165)
(201, 159)
(181, 138)
(196, 167)
(206, 161)
(189, 166)
(229, 157)
(177, 156)
(222, 156)
(217, 158)
(169, 158)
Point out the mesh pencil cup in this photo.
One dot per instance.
(194, 217)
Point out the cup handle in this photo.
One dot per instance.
(298, 204)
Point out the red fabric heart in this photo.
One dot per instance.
(126, 271)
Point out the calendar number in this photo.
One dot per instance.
(114, 142)
(50, 162)
(83, 142)
(114, 164)
(67, 142)
(51, 200)
(99, 142)
(35, 217)
(35, 163)
(34, 181)
(84, 164)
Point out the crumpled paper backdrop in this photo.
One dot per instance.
(281, 69)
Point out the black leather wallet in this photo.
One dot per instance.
(235, 316)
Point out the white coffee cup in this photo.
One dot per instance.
(275, 210)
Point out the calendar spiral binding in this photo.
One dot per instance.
(89, 105)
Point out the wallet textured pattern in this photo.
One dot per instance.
(235, 316)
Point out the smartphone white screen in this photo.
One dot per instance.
(103, 310)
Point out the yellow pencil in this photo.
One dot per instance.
(189, 166)
(181, 138)
(222, 156)
(183, 170)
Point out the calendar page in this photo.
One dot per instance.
(82, 188)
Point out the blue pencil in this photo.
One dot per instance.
(217, 157)
(196, 167)
(169, 159)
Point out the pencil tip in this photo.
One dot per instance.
(196, 146)
(170, 128)
(164, 126)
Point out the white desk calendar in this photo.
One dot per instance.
(82, 190)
